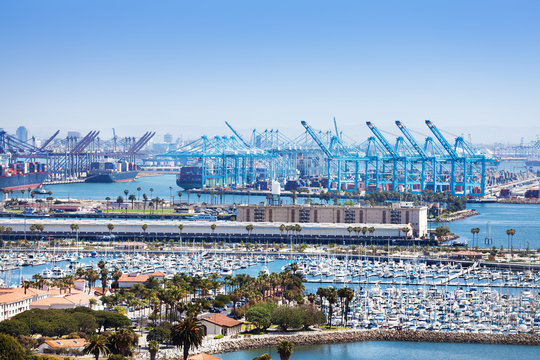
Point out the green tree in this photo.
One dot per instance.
(187, 334)
(97, 345)
(287, 317)
(285, 349)
(260, 316)
(10, 349)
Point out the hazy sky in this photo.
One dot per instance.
(186, 67)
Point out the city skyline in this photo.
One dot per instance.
(185, 69)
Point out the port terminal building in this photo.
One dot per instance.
(402, 214)
(198, 231)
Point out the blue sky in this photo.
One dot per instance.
(186, 67)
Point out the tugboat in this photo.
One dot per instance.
(109, 172)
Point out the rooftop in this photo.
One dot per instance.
(222, 320)
(66, 343)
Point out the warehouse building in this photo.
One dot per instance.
(394, 214)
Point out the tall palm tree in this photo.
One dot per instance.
(511, 233)
(144, 227)
(180, 228)
(188, 334)
(153, 348)
(97, 345)
(285, 349)
(26, 284)
(132, 198)
(474, 232)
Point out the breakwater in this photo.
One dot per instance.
(462, 214)
(345, 336)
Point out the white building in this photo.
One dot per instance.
(218, 324)
(14, 301)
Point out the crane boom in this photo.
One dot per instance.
(316, 138)
(382, 139)
(446, 145)
(412, 140)
(237, 135)
(49, 141)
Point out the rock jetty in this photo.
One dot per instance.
(213, 346)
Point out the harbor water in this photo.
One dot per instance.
(396, 351)
(493, 216)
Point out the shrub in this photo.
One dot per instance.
(161, 333)
(220, 336)
(10, 349)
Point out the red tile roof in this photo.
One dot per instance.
(66, 343)
(222, 320)
(139, 278)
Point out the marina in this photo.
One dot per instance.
(388, 294)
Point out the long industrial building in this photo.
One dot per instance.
(395, 214)
(202, 230)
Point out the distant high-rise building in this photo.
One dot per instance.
(167, 138)
(22, 133)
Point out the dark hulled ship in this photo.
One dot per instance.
(108, 172)
(21, 175)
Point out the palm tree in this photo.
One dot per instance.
(285, 349)
(120, 201)
(249, 229)
(187, 334)
(26, 284)
(123, 340)
(139, 193)
(474, 232)
(145, 199)
(107, 199)
(405, 231)
(281, 229)
(331, 297)
(110, 227)
(180, 228)
(144, 227)
(132, 198)
(346, 295)
(151, 192)
(153, 348)
(511, 233)
(104, 278)
(97, 345)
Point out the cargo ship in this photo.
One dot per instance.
(532, 162)
(190, 177)
(21, 175)
(110, 171)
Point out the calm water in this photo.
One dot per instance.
(500, 217)
(164, 186)
(398, 350)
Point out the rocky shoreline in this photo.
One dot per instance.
(457, 216)
(224, 345)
